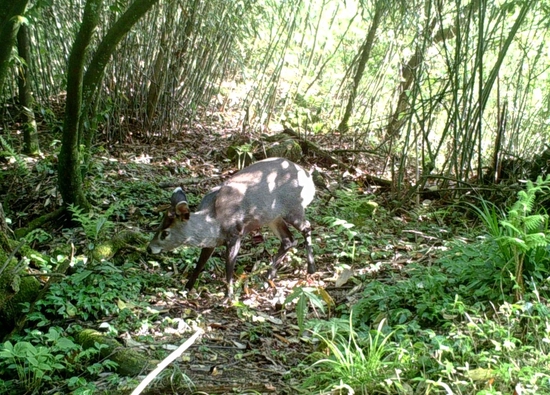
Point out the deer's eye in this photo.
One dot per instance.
(163, 234)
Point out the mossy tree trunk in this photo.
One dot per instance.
(30, 134)
(15, 287)
(96, 69)
(69, 175)
(81, 90)
(10, 20)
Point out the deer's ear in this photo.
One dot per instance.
(167, 220)
(178, 196)
(182, 210)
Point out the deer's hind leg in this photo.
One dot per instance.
(299, 221)
(280, 228)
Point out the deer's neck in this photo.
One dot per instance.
(202, 230)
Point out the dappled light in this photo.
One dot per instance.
(237, 197)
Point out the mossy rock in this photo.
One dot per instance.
(289, 149)
(15, 288)
(130, 362)
(123, 239)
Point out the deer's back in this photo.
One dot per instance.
(260, 193)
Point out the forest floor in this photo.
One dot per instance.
(254, 345)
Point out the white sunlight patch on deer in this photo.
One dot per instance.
(272, 181)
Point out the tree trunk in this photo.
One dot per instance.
(365, 52)
(94, 74)
(9, 25)
(30, 134)
(69, 175)
(408, 75)
(488, 86)
(159, 72)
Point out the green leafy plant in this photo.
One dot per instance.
(92, 291)
(303, 297)
(95, 226)
(42, 360)
(347, 216)
(470, 268)
(491, 355)
(419, 297)
(521, 234)
(243, 154)
(352, 206)
(355, 363)
(6, 150)
(33, 364)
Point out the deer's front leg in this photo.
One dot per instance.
(232, 250)
(205, 255)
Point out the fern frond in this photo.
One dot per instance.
(534, 222)
(9, 151)
(535, 240)
(509, 226)
(515, 242)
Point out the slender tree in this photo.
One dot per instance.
(69, 175)
(96, 69)
(81, 90)
(30, 134)
(11, 13)
(364, 55)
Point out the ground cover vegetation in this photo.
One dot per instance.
(424, 126)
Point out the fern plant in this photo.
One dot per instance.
(95, 226)
(6, 150)
(520, 233)
(525, 232)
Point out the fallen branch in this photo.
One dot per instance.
(39, 222)
(315, 148)
(167, 361)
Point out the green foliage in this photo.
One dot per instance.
(356, 363)
(521, 235)
(505, 349)
(470, 269)
(92, 291)
(38, 235)
(346, 216)
(8, 152)
(258, 327)
(351, 206)
(32, 364)
(243, 154)
(137, 198)
(419, 297)
(472, 351)
(303, 297)
(96, 226)
(42, 360)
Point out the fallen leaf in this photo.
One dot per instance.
(344, 277)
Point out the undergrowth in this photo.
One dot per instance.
(471, 319)
(470, 322)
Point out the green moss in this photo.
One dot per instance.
(130, 362)
(15, 289)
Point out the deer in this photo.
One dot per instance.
(272, 192)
